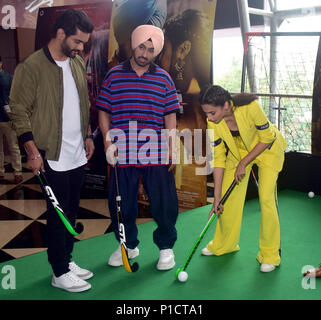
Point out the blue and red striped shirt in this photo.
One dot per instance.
(138, 106)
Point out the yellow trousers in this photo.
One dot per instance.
(227, 233)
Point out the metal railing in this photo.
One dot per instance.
(293, 120)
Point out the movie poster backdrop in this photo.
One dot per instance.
(188, 29)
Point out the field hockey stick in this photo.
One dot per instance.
(201, 236)
(122, 233)
(51, 196)
(253, 174)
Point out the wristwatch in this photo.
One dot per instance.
(90, 136)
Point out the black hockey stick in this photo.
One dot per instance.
(51, 196)
(201, 236)
(121, 229)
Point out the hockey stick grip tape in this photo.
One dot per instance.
(227, 193)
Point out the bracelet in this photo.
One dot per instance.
(90, 136)
(36, 157)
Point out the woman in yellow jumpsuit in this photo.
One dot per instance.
(241, 136)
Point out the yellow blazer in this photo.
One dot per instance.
(254, 127)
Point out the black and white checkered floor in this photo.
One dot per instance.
(23, 212)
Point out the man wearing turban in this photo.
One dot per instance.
(129, 14)
(137, 101)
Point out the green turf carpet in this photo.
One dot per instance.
(232, 276)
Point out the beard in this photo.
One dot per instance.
(141, 61)
(71, 53)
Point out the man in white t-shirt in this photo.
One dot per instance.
(50, 113)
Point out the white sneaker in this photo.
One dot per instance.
(80, 272)
(116, 260)
(265, 267)
(166, 259)
(206, 252)
(70, 282)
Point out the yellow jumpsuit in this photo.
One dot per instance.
(254, 127)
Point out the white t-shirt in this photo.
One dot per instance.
(72, 153)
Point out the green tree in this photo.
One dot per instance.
(231, 80)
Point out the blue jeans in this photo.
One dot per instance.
(160, 187)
